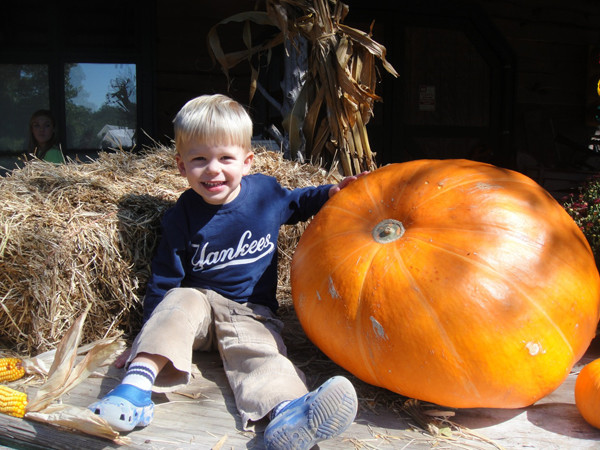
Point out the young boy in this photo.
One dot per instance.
(213, 286)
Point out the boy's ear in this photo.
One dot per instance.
(248, 162)
(180, 165)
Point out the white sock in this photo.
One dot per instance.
(140, 375)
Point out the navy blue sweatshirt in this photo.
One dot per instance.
(231, 248)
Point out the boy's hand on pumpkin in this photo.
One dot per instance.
(345, 182)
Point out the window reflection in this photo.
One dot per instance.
(23, 90)
(100, 105)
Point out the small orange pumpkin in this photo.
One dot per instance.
(587, 393)
(453, 282)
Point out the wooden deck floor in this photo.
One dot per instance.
(206, 418)
(202, 416)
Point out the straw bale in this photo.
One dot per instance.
(85, 233)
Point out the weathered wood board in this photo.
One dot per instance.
(207, 419)
(201, 416)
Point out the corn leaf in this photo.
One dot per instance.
(336, 102)
(64, 373)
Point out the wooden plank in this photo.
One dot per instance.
(201, 422)
(209, 418)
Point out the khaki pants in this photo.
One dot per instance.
(248, 337)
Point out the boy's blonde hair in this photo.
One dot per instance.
(213, 120)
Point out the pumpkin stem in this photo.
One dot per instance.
(388, 230)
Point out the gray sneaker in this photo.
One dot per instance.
(125, 407)
(319, 415)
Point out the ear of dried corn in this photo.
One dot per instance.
(11, 369)
(12, 402)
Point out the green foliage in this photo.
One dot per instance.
(584, 208)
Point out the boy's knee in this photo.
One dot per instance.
(189, 300)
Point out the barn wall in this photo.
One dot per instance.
(184, 68)
(551, 40)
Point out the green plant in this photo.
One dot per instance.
(584, 208)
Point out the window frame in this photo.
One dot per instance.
(57, 51)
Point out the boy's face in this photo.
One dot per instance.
(214, 171)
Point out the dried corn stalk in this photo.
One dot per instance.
(336, 100)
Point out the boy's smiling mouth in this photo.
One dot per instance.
(213, 186)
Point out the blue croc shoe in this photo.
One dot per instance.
(125, 407)
(314, 417)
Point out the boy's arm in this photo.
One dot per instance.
(303, 203)
(168, 263)
(306, 202)
(167, 273)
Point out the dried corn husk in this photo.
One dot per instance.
(336, 100)
(65, 373)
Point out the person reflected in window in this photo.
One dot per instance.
(43, 138)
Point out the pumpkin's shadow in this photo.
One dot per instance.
(477, 418)
(563, 419)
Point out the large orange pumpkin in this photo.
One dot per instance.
(587, 393)
(453, 282)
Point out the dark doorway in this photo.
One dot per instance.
(454, 96)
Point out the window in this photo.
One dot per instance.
(100, 105)
(24, 89)
(90, 63)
